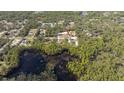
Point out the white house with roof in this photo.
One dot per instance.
(61, 22)
(43, 32)
(16, 41)
(69, 35)
(48, 24)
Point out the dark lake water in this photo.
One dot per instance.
(32, 61)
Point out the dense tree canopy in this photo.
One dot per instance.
(98, 57)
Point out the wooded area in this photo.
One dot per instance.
(98, 56)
